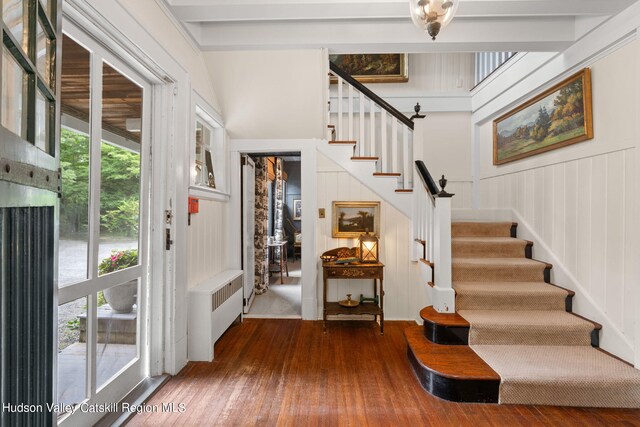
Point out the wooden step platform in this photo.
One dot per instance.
(444, 329)
(454, 373)
(343, 142)
(383, 174)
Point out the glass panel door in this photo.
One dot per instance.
(103, 227)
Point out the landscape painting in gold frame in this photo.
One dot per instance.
(559, 116)
(374, 67)
(351, 219)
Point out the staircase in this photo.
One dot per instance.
(370, 139)
(497, 331)
(513, 338)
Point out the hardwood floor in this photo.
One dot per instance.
(271, 372)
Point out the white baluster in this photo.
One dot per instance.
(384, 158)
(394, 151)
(350, 107)
(339, 109)
(372, 129)
(406, 167)
(361, 142)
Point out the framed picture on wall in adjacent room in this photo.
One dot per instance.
(351, 219)
(557, 117)
(374, 67)
(297, 209)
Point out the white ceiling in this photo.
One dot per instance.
(378, 26)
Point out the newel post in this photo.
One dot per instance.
(443, 295)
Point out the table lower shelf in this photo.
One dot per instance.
(333, 308)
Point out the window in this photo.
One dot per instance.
(208, 175)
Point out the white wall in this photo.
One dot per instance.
(269, 94)
(208, 251)
(579, 203)
(155, 18)
(447, 150)
(335, 184)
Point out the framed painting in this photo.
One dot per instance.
(297, 209)
(558, 117)
(351, 219)
(374, 67)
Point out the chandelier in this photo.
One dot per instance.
(432, 15)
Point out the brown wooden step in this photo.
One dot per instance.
(404, 190)
(365, 159)
(387, 174)
(454, 373)
(444, 328)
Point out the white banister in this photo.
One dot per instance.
(395, 149)
(384, 156)
(406, 164)
(443, 295)
(372, 128)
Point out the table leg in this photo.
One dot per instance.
(381, 308)
(286, 259)
(281, 257)
(324, 303)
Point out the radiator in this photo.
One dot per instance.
(213, 307)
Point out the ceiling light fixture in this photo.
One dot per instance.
(432, 15)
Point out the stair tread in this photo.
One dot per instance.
(343, 142)
(521, 288)
(362, 158)
(450, 361)
(562, 376)
(404, 190)
(387, 174)
(554, 318)
(489, 240)
(429, 314)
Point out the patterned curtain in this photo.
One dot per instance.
(279, 203)
(262, 212)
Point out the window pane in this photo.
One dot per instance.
(43, 122)
(72, 351)
(74, 162)
(117, 330)
(120, 172)
(74, 208)
(44, 54)
(15, 16)
(14, 95)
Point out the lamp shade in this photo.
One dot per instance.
(368, 248)
(432, 15)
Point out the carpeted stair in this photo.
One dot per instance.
(521, 327)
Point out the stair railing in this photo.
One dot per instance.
(432, 226)
(379, 130)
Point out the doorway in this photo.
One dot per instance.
(272, 235)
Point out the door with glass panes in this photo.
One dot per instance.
(105, 162)
(29, 183)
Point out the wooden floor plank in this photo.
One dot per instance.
(286, 372)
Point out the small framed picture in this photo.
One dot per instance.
(297, 209)
(351, 219)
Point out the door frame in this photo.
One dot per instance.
(308, 166)
(247, 301)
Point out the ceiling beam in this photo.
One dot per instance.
(380, 36)
(224, 11)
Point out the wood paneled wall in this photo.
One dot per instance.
(581, 210)
(335, 184)
(208, 251)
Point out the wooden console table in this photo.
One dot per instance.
(331, 270)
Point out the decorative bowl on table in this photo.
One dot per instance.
(349, 302)
(328, 258)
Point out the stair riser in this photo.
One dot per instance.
(462, 229)
(497, 250)
(460, 336)
(505, 302)
(465, 273)
(454, 390)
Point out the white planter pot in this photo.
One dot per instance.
(121, 298)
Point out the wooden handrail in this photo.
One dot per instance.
(426, 177)
(369, 93)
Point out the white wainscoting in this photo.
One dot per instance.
(208, 251)
(401, 282)
(581, 211)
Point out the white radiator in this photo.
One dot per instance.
(213, 306)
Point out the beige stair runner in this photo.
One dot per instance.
(520, 328)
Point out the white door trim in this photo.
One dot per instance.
(308, 166)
